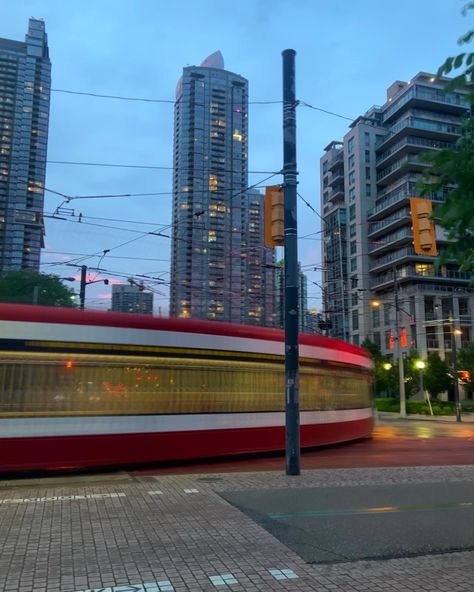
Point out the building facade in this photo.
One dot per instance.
(367, 181)
(218, 262)
(25, 87)
(259, 306)
(133, 298)
(305, 322)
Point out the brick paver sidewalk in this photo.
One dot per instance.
(154, 534)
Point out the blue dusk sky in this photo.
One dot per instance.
(348, 53)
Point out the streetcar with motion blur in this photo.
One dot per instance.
(85, 389)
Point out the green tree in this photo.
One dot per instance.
(455, 167)
(386, 379)
(466, 362)
(437, 378)
(412, 374)
(25, 287)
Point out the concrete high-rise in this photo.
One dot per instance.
(367, 181)
(25, 86)
(127, 298)
(209, 257)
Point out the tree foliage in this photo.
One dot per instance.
(24, 287)
(386, 380)
(455, 167)
(437, 376)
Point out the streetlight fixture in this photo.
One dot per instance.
(454, 333)
(399, 352)
(84, 283)
(421, 365)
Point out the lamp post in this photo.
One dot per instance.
(84, 283)
(454, 350)
(399, 351)
(421, 365)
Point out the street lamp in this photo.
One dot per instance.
(399, 352)
(420, 365)
(454, 350)
(84, 283)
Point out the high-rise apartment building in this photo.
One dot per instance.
(25, 86)
(259, 307)
(367, 181)
(304, 322)
(217, 259)
(133, 298)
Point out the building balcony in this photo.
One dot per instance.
(337, 162)
(337, 178)
(337, 194)
(391, 223)
(427, 128)
(410, 144)
(409, 163)
(424, 97)
(390, 242)
(417, 272)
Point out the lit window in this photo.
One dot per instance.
(237, 136)
(212, 183)
(185, 189)
(424, 269)
(211, 236)
(219, 122)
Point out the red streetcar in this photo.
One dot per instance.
(83, 388)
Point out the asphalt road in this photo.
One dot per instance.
(334, 524)
(395, 443)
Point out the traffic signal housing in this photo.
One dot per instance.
(424, 236)
(274, 216)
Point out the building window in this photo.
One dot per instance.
(352, 212)
(212, 183)
(351, 177)
(424, 269)
(367, 172)
(354, 264)
(355, 298)
(386, 315)
(352, 194)
(355, 320)
(350, 162)
(237, 136)
(375, 317)
(367, 156)
(353, 247)
(350, 145)
(352, 230)
(368, 189)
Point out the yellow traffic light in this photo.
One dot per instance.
(424, 237)
(274, 216)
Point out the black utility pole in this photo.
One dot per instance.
(454, 350)
(292, 406)
(82, 291)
